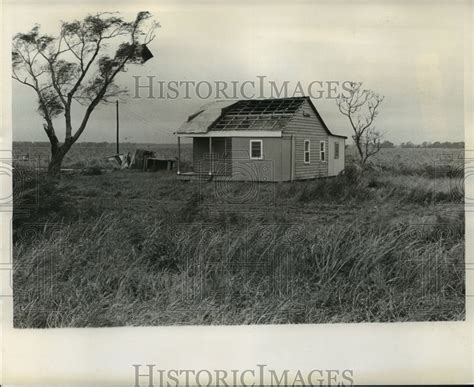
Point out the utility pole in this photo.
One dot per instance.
(117, 111)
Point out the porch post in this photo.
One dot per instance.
(179, 156)
(210, 156)
(292, 158)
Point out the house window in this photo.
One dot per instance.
(336, 150)
(322, 150)
(307, 156)
(256, 149)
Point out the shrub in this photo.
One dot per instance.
(341, 188)
(352, 172)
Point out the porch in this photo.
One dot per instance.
(212, 158)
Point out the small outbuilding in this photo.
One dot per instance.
(280, 139)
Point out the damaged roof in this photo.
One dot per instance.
(200, 121)
(258, 114)
(251, 115)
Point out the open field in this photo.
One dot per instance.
(87, 154)
(136, 248)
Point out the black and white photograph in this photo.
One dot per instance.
(238, 165)
(236, 193)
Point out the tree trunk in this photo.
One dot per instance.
(57, 157)
(54, 166)
(57, 152)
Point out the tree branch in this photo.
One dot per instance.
(367, 141)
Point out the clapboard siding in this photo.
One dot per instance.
(274, 166)
(308, 126)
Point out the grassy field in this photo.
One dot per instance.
(138, 248)
(89, 154)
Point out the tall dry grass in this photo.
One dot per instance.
(122, 270)
(128, 248)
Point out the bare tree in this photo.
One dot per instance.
(361, 107)
(76, 69)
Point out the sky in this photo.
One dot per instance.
(410, 52)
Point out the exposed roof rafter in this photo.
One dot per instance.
(262, 114)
